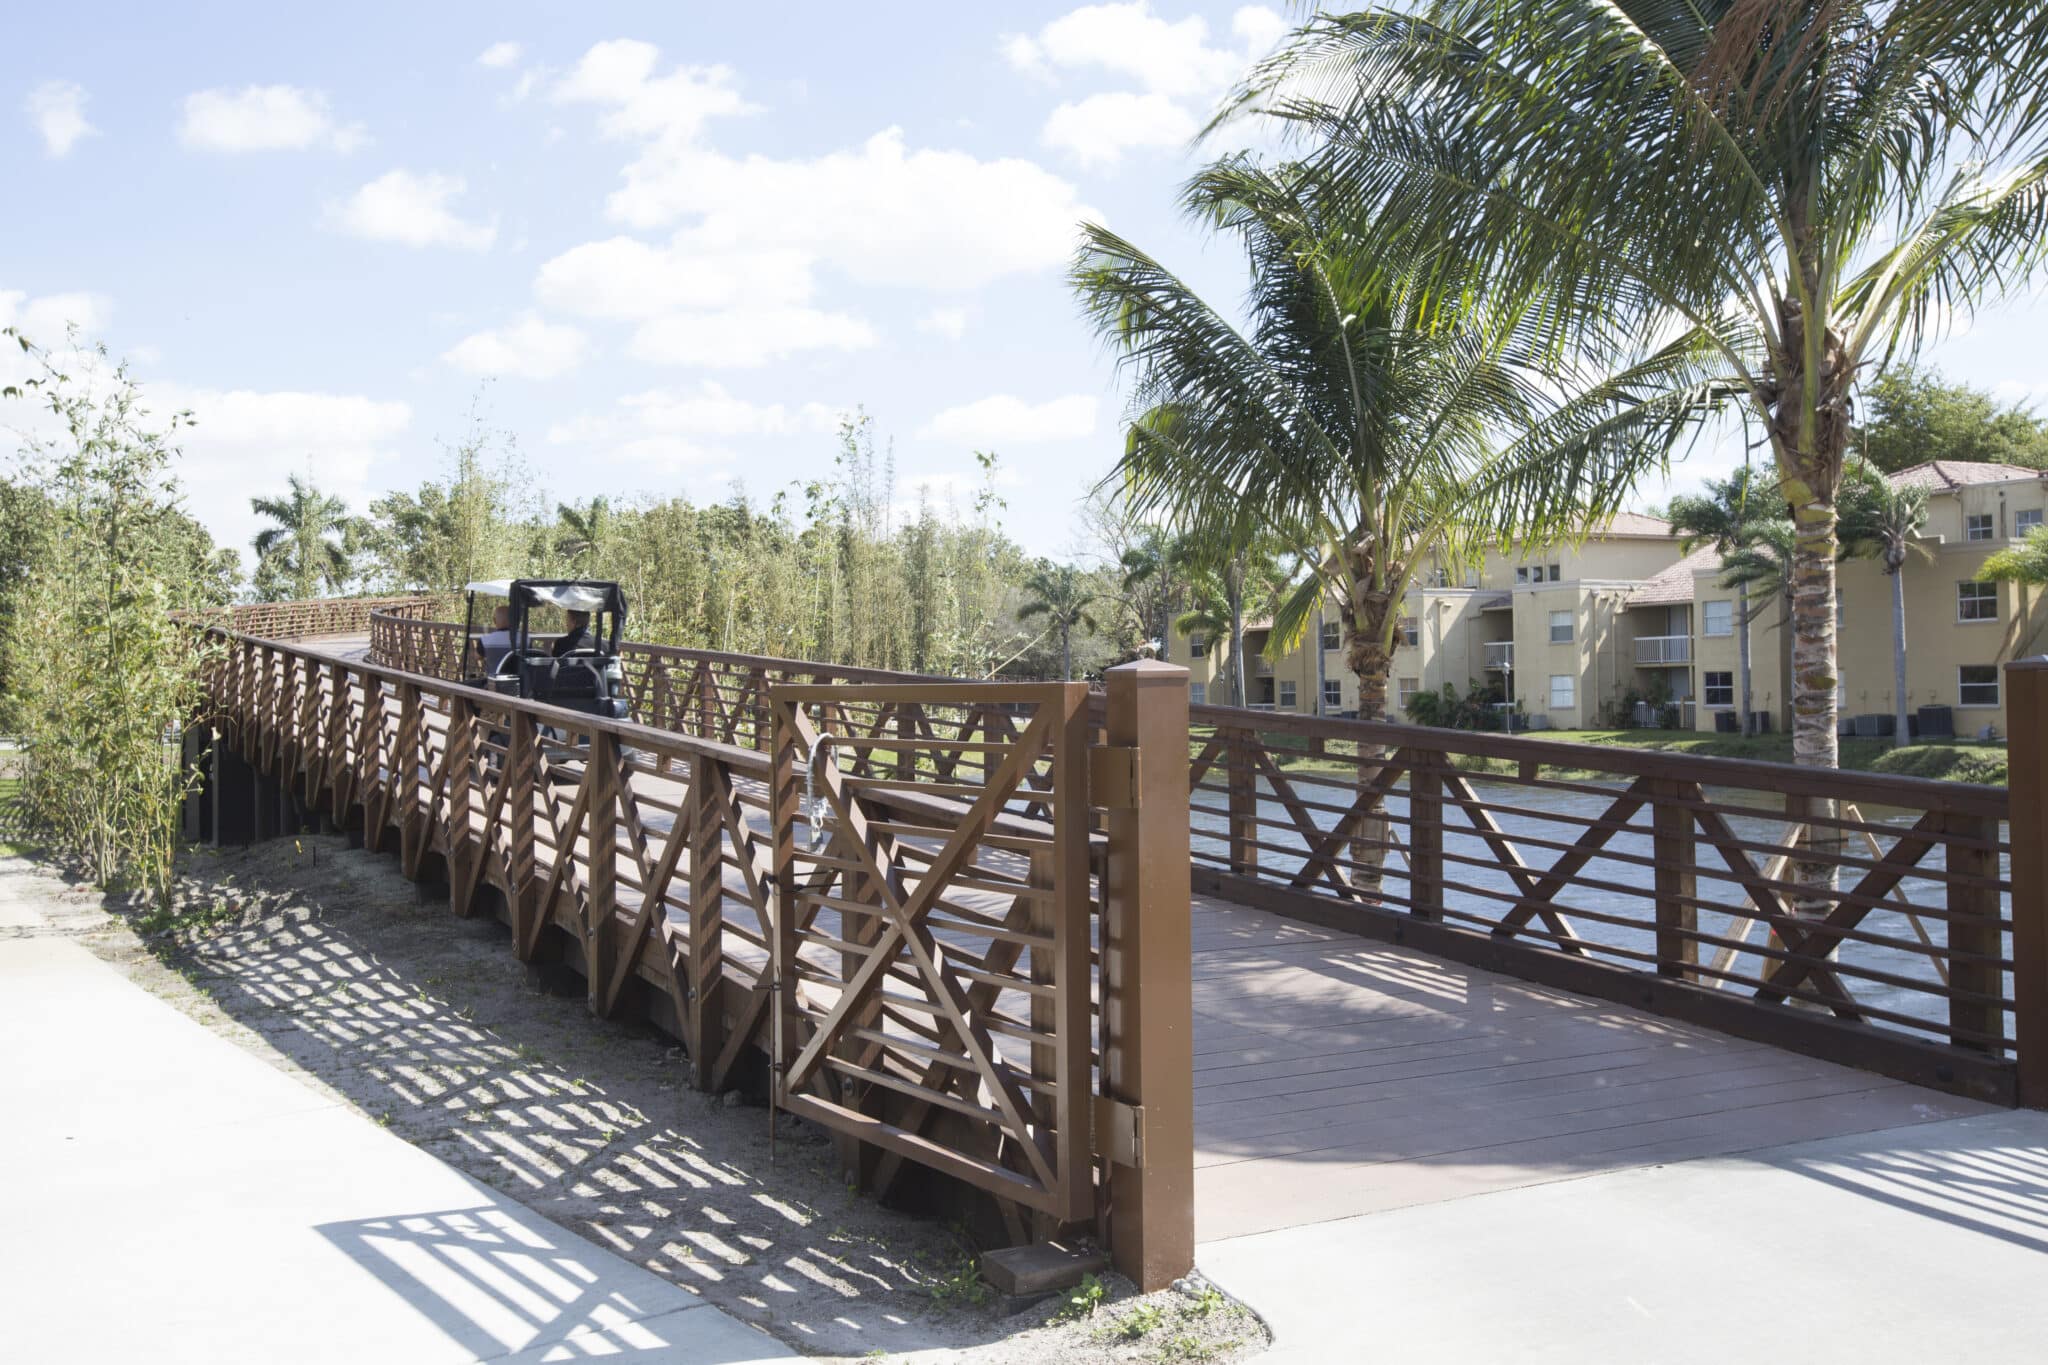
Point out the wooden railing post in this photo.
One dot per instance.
(1242, 781)
(2026, 711)
(602, 768)
(704, 1019)
(521, 767)
(1147, 986)
(1678, 916)
(1425, 836)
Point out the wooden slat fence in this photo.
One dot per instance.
(906, 938)
(1859, 916)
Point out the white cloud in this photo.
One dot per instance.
(744, 337)
(528, 348)
(1175, 66)
(46, 318)
(1166, 56)
(400, 206)
(1098, 130)
(950, 323)
(882, 213)
(675, 107)
(247, 441)
(57, 108)
(264, 118)
(499, 54)
(623, 277)
(708, 410)
(1004, 419)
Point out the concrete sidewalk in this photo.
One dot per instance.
(171, 1197)
(1915, 1244)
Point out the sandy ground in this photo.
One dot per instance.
(324, 960)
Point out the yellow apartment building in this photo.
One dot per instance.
(1626, 628)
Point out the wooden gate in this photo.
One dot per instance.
(934, 946)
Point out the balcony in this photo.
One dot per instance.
(1660, 651)
(1500, 656)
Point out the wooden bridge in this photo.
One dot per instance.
(1109, 963)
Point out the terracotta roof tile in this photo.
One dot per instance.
(1674, 586)
(1945, 476)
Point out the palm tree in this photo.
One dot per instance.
(1062, 595)
(1209, 615)
(1881, 518)
(1783, 191)
(309, 541)
(1722, 517)
(2024, 562)
(1327, 428)
(584, 529)
(1154, 581)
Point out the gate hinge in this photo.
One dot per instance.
(1120, 1131)
(1113, 777)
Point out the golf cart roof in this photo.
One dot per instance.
(569, 595)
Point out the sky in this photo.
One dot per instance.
(664, 246)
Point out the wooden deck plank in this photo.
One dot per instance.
(1336, 1076)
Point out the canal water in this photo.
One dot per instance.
(1526, 813)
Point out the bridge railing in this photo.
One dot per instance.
(1862, 917)
(907, 921)
(1867, 918)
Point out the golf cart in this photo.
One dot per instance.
(587, 678)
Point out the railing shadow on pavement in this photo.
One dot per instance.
(503, 1288)
(1994, 1188)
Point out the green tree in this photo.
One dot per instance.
(1725, 517)
(1781, 192)
(584, 531)
(1911, 415)
(99, 672)
(1884, 519)
(1326, 427)
(307, 545)
(1061, 595)
(2025, 561)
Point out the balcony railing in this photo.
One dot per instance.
(1655, 650)
(1500, 655)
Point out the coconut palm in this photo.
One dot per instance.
(584, 529)
(2024, 562)
(1722, 517)
(1062, 595)
(308, 544)
(1326, 427)
(1210, 616)
(1788, 190)
(1882, 519)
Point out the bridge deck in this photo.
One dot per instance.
(1337, 1076)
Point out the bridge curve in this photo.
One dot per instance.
(1407, 983)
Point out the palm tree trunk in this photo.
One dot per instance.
(1898, 578)
(1812, 444)
(1236, 662)
(1366, 652)
(1066, 653)
(1322, 665)
(1742, 649)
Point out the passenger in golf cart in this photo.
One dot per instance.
(579, 671)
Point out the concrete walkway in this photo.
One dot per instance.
(1916, 1244)
(170, 1197)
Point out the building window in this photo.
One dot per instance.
(1978, 525)
(1977, 685)
(1198, 694)
(1287, 695)
(2023, 522)
(1333, 695)
(1198, 648)
(1522, 574)
(1560, 627)
(1976, 601)
(1717, 618)
(1333, 634)
(1411, 635)
(1555, 575)
(1561, 692)
(1406, 688)
(1719, 688)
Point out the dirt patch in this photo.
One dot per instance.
(327, 961)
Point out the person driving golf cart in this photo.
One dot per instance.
(579, 670)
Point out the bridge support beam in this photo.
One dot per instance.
(1147, 982)
(231, 788)
(2026, 710)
